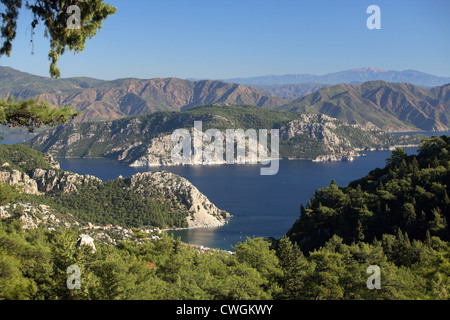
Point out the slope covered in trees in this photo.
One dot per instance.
(409, 197)
(130, 202)
(33, 265)
(304, 136)
(376, 220)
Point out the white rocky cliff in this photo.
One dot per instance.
(165, 185)
(203, 213)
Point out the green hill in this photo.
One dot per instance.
(410, 195)
(342, 227)
(129, 202)
(146, 140)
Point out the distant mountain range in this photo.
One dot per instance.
(348, 76)
(389, 106)
(107, 100)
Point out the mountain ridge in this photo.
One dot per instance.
(389, 106)
(107, 100)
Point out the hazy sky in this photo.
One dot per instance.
(223, 39)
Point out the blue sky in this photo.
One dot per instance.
(223, 39)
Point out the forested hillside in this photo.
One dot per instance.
(408, 198)
(159, 199)
(146, 140)
(394, 218)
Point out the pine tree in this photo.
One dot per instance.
(294, 266)
(32, 113)
(53, 15)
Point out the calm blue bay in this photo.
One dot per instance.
(262, 206)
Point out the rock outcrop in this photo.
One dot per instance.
(326, 158)
(86, 240)
(203, 213)
(22, 180)
(158, 152)
(32, 215)
(315, 126)
(162, 185)
(52, 180)
(42, 181)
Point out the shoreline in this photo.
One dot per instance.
(338, 156)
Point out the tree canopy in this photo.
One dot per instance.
(394, 218)
(410, 194)
(58, 17)
(32, 113)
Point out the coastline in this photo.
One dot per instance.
(328, 157)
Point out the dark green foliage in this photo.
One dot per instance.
(114, 203)
(22, 158)
(409, 194)
(32, 113)
(8, 194)
(33, 265)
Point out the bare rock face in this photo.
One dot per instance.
(4, 213)
(21, 180)
(350, 156)
(52, 162)
(203, 213)
(158, 151)
(28, 222)
(42, 181)
(50, 180)
(319, 127)
(314, 126)
(86, 240)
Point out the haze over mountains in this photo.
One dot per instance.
(347, 76)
